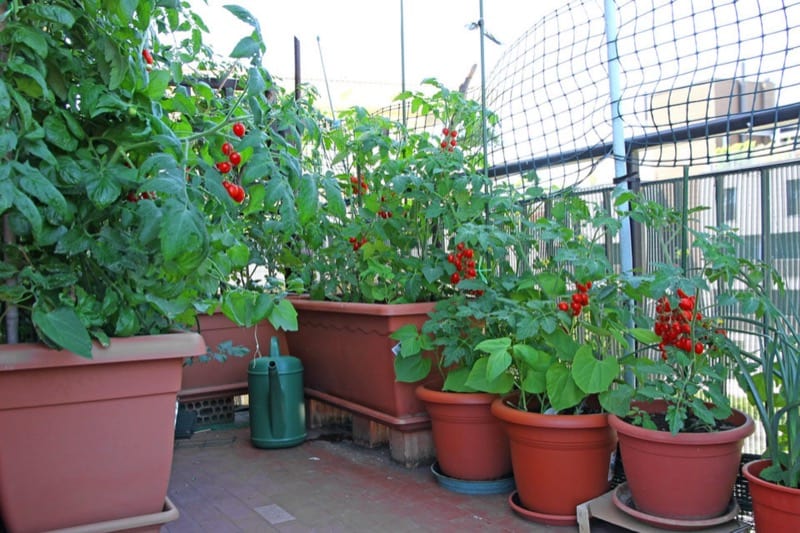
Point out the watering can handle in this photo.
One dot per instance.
(276, 422)
(274, 349)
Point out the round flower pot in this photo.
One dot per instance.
(470, 442)
(775, 507)
(559, 461)
(687, 476)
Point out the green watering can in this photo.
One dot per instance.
(277, 407)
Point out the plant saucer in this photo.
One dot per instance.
(463, 486)
(624, 502)
(542, 518)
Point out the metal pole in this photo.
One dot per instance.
(403, 60)
(484, 140)
(297, 78)
(618, 149)
(327, 87)
(618, 132)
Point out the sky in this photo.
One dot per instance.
(356, 44)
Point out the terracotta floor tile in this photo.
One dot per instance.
(221, 483)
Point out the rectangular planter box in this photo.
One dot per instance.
(88, 440)
(348, 357)
(213, 379)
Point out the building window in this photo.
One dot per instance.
(793, 197)
(729, 207)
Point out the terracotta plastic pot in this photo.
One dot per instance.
(470, 442)
(213, 379)
(559, 461)
(688, 476)
(88, 440)
(776, 509)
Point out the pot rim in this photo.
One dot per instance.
(359, 308)
(740, 432)
(751, 471)
(510, 414)
(439, 396)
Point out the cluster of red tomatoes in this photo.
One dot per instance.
(579, 299)
(357, 243)
(233, 160)
(464, 261)
(449, 141)
(359, 185)
(383, 213)
(674, 325)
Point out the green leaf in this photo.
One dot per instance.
(497, 364)
(552, 284)
(246, 47)
(39, 148)
(28, 209)
(594, 375)
(618, 399)
(184, 240)
(5, 105)
(239, 254)
(239, 307)
(412, 343)
(243, 15)
(255, 83)
(562, 391)
(28, 73)
(411, 369)
(159, 81)
(63, 327)
(33, 38)
(307, 201)
(645, 336)
(7, 188)
(35, 184)
(284, 316)
(257, 194)
(333, 194)
(103, 189)
(52, 13)
(478, 380)
(57, 133)
(127, 323)
(494, 345)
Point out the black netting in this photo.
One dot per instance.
(701, 83)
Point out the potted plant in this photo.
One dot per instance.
(392, 202)
(774, 389)
(471, 447)
(118, 230)
(677, 432)
(253, 307)
(768, 369)
(556, 357)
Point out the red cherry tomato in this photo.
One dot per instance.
(227, 148)
(235, 158)
(236, 192)
(238, 129)
(224, 167)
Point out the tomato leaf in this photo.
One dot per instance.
(63, 327)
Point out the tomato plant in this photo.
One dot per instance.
(111, 182)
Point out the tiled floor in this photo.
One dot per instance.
(221, 483)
